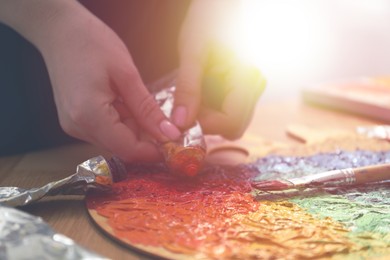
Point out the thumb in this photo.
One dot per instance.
(188, 94)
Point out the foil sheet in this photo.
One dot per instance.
(23, 236)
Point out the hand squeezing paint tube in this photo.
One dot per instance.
(184, 157)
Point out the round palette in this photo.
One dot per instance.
(219, 215)
(103, 224)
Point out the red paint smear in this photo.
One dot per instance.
(157, 209)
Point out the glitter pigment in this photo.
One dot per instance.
(217, 214)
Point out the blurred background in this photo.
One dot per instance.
(297, 43)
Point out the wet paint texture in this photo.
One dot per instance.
(365, 211)
(357, 216)
(217, 215)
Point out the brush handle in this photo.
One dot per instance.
(348, 176)
(373, 173)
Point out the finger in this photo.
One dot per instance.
(238, 106)
(142, 136)
(115, 136)
(71, 128)
(142, 105)
(215, 122)
(188, 89)
(122, 109)
(126, 117)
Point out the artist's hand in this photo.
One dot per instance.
(213, 86)
(99, 94)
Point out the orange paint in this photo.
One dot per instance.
(214, 215)
(104, 180)
(184, 161)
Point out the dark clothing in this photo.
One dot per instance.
(29, 121)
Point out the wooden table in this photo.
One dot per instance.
(68, 215)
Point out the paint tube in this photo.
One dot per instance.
(95, 173)
(185, 156)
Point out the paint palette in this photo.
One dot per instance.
(218, 215)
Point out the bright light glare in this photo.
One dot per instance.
(276, 34)
(297, 42)
(367, 7)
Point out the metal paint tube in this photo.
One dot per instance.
(184, 157)
(95, 173)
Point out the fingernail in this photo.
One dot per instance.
(179, 116)
(169, 130)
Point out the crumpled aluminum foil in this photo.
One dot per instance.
(23, 236)
(191, 137)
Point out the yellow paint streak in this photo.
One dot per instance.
(284, 230)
